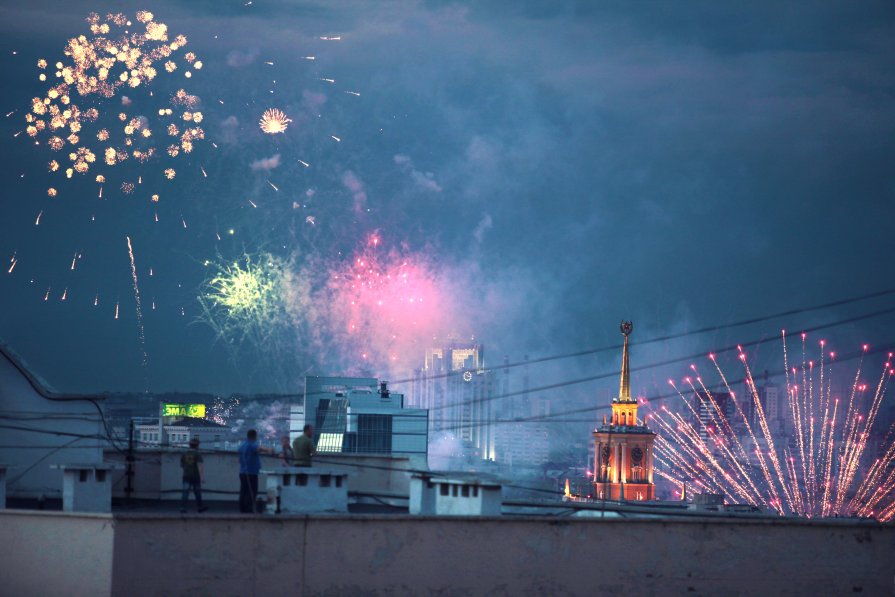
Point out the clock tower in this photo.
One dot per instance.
(623, 462)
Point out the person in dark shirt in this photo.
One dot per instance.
(191, 463)
(303, 447)
(249, 466)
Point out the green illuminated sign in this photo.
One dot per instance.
(183, 410)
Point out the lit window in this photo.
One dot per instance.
(330, 442)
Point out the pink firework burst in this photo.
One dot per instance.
(383, 305)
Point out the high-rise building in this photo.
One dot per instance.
(457, 390)
(774, 404)
(623, 464)
(713, 413)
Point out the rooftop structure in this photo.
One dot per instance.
(360, 415)
(44, 428)
(455, 494)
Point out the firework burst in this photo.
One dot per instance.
(802, 451)
(274, 121)
(382, 305)
(118, 54)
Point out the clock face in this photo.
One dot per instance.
(467, 376)
(637, 455)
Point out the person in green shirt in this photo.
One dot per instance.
(303, 447)
(191, 463)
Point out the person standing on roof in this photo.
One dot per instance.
(303, 447)
(249, 466)
(286, 451)
(193, 473)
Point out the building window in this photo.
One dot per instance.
(325, 480)
(444, 489)
(100, 476)
(453, 491)
(465, 491)
(475, 491)
(374, 434)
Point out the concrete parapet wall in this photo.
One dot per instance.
(403, 555)
(55, 553)
(534, 556)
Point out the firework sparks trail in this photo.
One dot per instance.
(740, 490)
(828, 479)
(130, 251)
(745, 419)
(851, 419)
(722, 423)
(769, 438)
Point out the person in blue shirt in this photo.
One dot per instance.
(249, 466)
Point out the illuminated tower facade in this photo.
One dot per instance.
(623, 445)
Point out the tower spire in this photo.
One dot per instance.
(624, 387)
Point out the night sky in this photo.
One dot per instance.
(546, 169)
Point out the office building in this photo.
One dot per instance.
(459, 393)
(360, 415)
